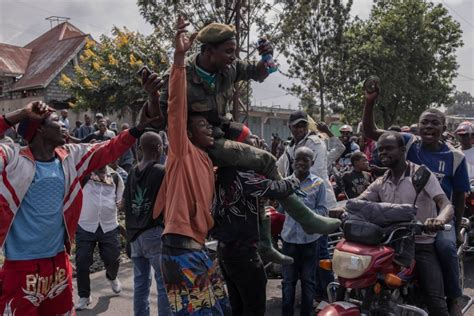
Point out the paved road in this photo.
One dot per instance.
(106, 303)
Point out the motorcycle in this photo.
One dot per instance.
(370, 282)
(371, 279)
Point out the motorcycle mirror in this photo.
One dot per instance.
(419, 179)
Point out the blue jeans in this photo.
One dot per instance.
(146, 253)
(448, 258)
(303, 268)
(323, 277)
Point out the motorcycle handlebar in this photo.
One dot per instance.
(419, 228)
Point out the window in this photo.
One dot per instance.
(1, 88)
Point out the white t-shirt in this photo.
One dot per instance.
(470, 162)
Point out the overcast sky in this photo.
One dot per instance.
(23, 20)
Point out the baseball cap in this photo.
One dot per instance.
(345, 128)
(296, 117)
(464, 128)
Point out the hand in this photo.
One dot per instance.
(37, 110)
(266, 48)
(182, 42)
(144, 121)
(370, 97)
(294, 182)
(152, 85)
(323, 128)
(433, 225)
(120, 205)
(459, 238)
(337, 212)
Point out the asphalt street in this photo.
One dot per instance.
(106, 303)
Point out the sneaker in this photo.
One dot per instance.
(83, 303)
(116, 285)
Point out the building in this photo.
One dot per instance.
(452, 121)
(32, 72)
(266, 121)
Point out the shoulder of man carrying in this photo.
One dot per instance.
(215, 33)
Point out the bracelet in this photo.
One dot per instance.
(6, 120)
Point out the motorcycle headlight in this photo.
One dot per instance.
(348, 265)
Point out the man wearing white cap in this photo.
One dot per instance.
(464, 132)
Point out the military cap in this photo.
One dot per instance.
(216, 33)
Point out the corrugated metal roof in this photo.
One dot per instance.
(49, 55)
(13, 59)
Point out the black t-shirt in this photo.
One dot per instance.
(139, 197)
(94, 136)
(236, 210)
(355, 182)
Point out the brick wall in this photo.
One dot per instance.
(54, 92)
(7, 83)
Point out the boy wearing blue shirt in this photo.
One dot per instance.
(302, 247)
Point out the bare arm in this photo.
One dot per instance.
(368, 121)
(34, 111)
(445, 214)
(177, 97)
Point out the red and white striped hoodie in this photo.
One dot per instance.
(17, 169)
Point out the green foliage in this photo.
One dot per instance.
(106, 78)
(163, 14)
(462, 103)
(410, 45)
(260, 15)
(315, 48)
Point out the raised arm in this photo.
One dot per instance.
(368, 121)
(335, 146)
(152, 84)
(177, 99)
(34, 111)
(251, 70)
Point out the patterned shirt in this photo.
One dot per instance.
(315, 199)
(236, 206)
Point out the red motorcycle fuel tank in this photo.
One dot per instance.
(340, 309)
(357, 265)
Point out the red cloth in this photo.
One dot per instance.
(369, 148)
(276, 219)
(37, 287)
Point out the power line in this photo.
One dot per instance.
(459, 15)
(466, 77)
(274, 97)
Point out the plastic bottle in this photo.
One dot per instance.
(267, 59)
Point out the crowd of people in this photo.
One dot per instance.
(185, 174)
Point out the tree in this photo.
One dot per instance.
(105, 80)
(263, 15)
(313, 42)
(462, 103)
(411, 46)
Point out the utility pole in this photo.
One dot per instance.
(233, 15)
